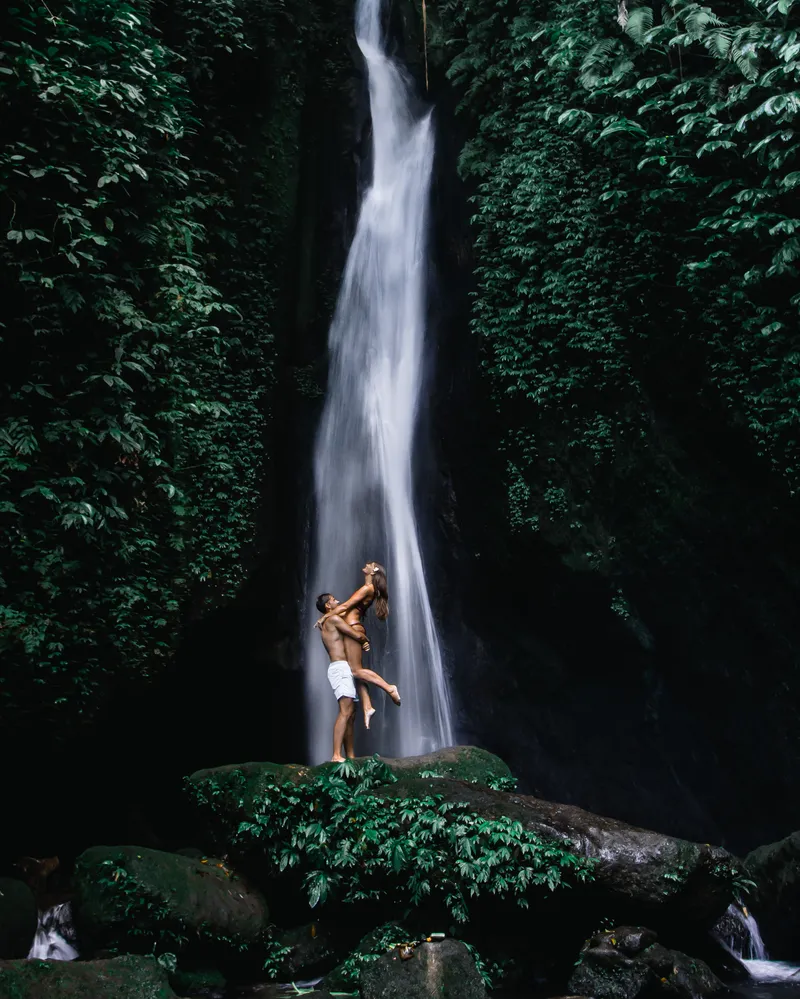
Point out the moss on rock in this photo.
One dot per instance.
(477, 766)
(134, 898)
(129, 977)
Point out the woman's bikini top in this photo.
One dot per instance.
(362, 607)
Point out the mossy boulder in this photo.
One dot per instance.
(443, 970)
(131, 898)
(129, 977)
(639, 875)
(225, 796)
(18, 918)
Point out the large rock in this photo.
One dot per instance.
(640, 875)
(775, 900)
(443, 970)
(225, 796)
(18, 918)
(628, 963)
(133, 898)
(129, 977)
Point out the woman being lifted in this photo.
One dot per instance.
(353, 610)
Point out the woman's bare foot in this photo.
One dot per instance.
(337, 759)
(394, 693)
(368, 713)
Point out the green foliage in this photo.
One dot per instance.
(636, 242)
(352, 844)
(147, 207)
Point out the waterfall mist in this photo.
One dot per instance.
(363, 452)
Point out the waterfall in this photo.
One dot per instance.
(54, 935)
(739, 933)
(363, 452)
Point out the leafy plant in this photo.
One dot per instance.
(353, 843)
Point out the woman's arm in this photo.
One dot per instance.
(346, 629)
(367, 590)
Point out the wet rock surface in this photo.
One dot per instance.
(639, 872)
(628, 962)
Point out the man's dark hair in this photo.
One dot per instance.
(322, 599)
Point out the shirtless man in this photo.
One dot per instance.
(339, 638)
(334, 629)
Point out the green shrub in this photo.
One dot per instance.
(351, 844)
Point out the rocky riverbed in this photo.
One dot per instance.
(393, 879)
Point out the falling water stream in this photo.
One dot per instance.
(55, 935)
(363, 454)
(747, 946)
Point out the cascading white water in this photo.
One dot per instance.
(54, 935)
(363, 455)
(754, 949)
(746, 945)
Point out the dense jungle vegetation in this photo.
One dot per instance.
(635, 176)
(633, 169)
(147, 185)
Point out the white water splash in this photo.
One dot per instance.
(54, 935)
(363, 454)
(747, 946)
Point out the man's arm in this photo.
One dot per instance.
(367, 590)
(347, 629)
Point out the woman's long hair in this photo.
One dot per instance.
(381, 592)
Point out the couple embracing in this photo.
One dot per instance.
(345, 639)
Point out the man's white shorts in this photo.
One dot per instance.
(340, 677)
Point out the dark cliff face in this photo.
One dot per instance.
(677, 713)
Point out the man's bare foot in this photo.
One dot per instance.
(368, 713)
(394, 693)
(337, 759)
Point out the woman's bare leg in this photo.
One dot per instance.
(352, 650)
(363, 675)
(366, 701)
